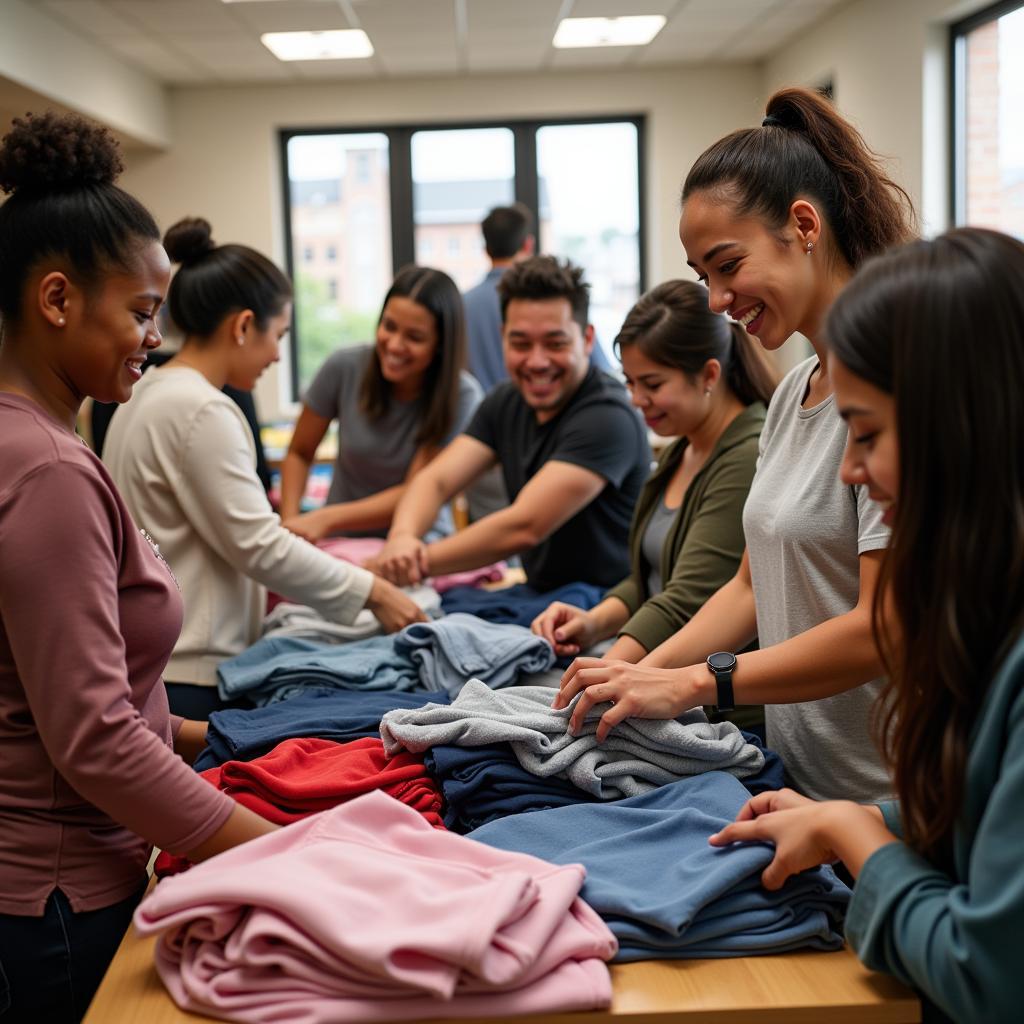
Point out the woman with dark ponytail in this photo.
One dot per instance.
(697, 377)
(89, 611)
(776, 219)
(183, 456)
(936, 433)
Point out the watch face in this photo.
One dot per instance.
(722, 661)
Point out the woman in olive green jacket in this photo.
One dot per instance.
(697, 376)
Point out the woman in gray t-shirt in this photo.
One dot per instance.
(398, 402)
(776, 219)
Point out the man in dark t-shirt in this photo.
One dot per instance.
(572, 451)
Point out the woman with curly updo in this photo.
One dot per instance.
(91, 761)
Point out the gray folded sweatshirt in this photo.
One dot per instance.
(638, 755)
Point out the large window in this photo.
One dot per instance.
(988, 96)
(362, 204)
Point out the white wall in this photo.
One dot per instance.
(41, 55)
(224, 160)
(888, 62)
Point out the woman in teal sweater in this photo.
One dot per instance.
(927, 341)
(696, 376)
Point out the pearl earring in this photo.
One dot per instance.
(810, 248)
(707, 391)
(61, 321)
(240, 340)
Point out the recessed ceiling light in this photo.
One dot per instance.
(631, 30)
(334, 44)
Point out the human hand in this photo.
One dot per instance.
(393, 609)
(633, 690)
(402, 560)
(804, 832)
(311, 526)
(567, 628)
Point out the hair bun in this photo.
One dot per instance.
(53, 152)
(189, 240)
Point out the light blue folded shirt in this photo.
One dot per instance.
(663, 890)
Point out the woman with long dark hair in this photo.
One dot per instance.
(398, 402)
(776, 219)
(928, 365)
(697, 377)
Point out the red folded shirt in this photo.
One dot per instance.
(300, 777)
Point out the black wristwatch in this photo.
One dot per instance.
(721, 665)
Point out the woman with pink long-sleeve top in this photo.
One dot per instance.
(91, 761)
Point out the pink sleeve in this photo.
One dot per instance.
(61, 546)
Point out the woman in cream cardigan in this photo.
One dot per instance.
(183, 457)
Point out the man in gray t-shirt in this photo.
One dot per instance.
(805, 533)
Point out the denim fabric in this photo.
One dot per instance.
(663, 890)
(276, 668)
(638, 755)
(51, 966)
(459, 647)
(520, 604)
(437, 656)
(339, 715)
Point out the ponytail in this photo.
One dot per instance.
(749, 374)
(805, 148)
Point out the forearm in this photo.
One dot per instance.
(831, 658)
(241, 826)
(420, 502)
(626, 648)
(294, 474)
(374, 512)
(607, 618)
(853, 832)
(190, 740)
(486, 541)
(726, 622)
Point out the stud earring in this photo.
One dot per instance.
(810, 248)
(61, 321)
(707, 391)
(240, 340)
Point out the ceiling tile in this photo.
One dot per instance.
(308, 16)
(173, 15)
(618, 8)
(90, 16)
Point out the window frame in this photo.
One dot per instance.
(400, 181)
(958, 32)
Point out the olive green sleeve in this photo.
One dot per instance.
(708, 554)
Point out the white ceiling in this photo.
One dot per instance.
(185, 42)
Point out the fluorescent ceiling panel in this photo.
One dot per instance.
(333, 44)
(631, 30)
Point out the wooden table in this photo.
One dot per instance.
(794, 988)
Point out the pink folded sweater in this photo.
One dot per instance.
(366, 913)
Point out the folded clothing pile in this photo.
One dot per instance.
(437, 656)
(519, 604)
(300, 777)
(241, 734)
(393, 920)
(483, 783)
(299, 620)
(663, 890)
(638, 755)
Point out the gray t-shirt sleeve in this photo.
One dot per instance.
(336, 383)
(469, 397)
(872, 533)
